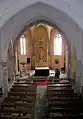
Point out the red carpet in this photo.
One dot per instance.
(43, 83)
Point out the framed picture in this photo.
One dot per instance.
(56, 61)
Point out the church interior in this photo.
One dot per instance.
(38, 46)
(41, 61)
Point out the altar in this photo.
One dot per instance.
(41, 71)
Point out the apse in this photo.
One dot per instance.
(39, 46)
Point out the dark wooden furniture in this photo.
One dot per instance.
(42, 71)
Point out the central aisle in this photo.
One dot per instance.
(41, 102)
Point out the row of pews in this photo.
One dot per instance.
(63, 103)
(20, 102)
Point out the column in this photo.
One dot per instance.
(5, 77)
(1, 75)
(78, 77)
(81, 81)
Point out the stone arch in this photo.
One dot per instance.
(11, 27)
(28, 25)
(45, 28)
(40, 24)
(10, 61)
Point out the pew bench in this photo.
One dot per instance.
(66, 117)
(22, 90)
(76, 104)
(60, 89)
(23, 94)
(17, 104)
(62, 95)
(49, 93)
(20, 102)
(17, 99)
(15, 117)
(24, 82)
(59, 85)
(18, 110)
(24, 86)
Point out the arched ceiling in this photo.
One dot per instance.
(73, 8)
(19, 13)
(67, 14)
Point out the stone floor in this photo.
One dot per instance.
(41, 102)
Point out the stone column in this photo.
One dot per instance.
(81, 79)
(5, 77)
(78, 77)
(1, 75)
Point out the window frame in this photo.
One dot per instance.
(58, 41)
(23, 45)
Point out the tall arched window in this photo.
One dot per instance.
(58, 45)
(23, 45)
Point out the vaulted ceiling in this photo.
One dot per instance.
(74, 8)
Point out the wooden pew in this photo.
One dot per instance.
(71, 110)
(20, 100)
(59, 85)
(31, 89)
(21, 94)
(27, 80)
(59, 92)
(16, 99)
(53, 85)
(65, 108)
(67, 117)
(60, 82)
(23, 82)
(23, 90)
(64, 103)
(59, 88)
(17, 104)
(24, 86)
(14, 117)
(73, 103)
(18, 110)
(62, 95)
(63, 100)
